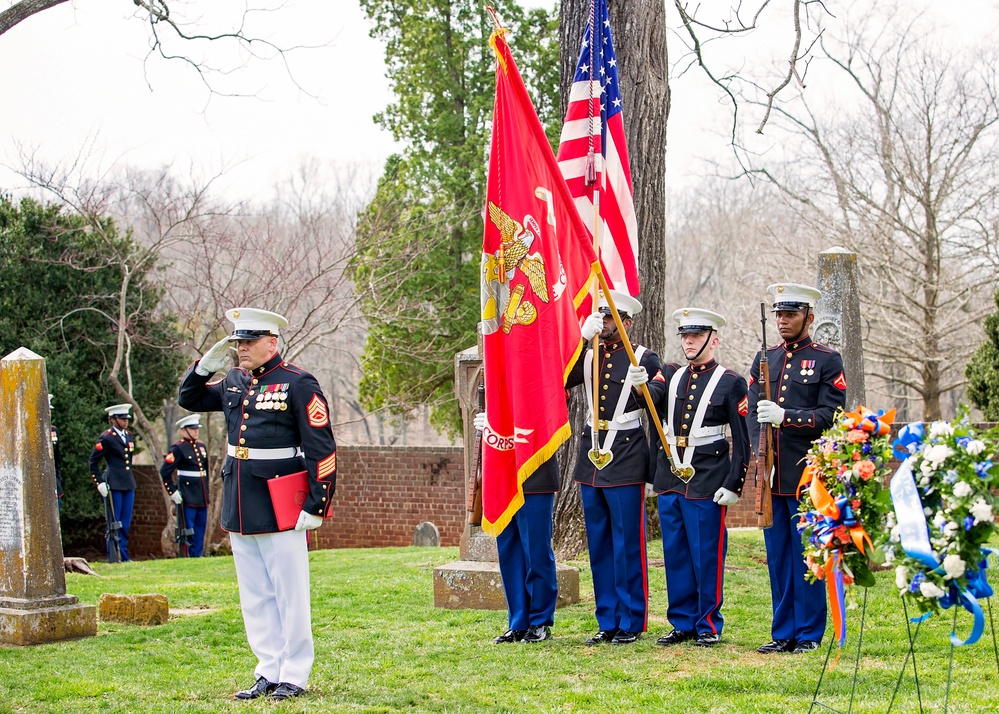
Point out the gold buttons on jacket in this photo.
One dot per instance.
(246, 402)
(255, 381)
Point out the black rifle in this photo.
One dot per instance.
(182, 534)
(113, 525)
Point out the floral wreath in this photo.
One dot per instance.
(943, 517)
(845, 504)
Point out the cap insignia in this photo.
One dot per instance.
(780, 288)
(235, 314)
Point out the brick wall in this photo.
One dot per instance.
(384, 492)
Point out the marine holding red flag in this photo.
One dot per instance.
(537, 264)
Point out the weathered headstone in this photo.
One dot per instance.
(474, 582)
(146, 609)
(837, 317)
(426, 535)
(34, 606)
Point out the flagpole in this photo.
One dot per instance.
(591, 178)
(631, 355)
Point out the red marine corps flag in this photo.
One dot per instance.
(537, 264)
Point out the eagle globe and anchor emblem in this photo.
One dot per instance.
(504, 307)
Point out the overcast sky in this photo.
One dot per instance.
(77, 76)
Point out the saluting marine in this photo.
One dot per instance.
(116, 446)
(699, 479)
(188, 458)
(807, 386)
(613, 490)
(277, 420)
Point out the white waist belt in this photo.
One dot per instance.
(245, 452)
(628, 420)
(191, 474)
(700, 436)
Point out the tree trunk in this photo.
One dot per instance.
(638, 28)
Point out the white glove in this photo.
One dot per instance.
(724, 497)
(102, 488)
(768, 412)
(592, 326)
(215, 360)
(308, 522)
(637, 376)
(176, 497)
(479, 421)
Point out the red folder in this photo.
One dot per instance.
(288, 494)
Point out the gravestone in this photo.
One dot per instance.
(474, 582)
(837, 317)
(426, 535)
(34, 606)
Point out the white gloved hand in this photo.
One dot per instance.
(215, 360)
(592, 326)
(308, 522)
(724, 497)
(176, 497)
(479, 421)
(102, 488)
(637, 376)
(768, 412)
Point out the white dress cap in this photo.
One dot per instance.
(696, 319)
(622, 301)
(192, 420)
(792, 297)
(251, 324)
(119, 410)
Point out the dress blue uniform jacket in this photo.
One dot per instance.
(630, 463)
(729, 405)
(185, 455)
(807, 380)
(299, 419)
(117, 455)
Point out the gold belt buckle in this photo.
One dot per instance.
(681, 441)
(242, 453)
(603, 425)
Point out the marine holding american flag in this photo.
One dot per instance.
(277, 420)
(612, 487)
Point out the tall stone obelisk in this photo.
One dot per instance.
(837, 317)
(34, 606)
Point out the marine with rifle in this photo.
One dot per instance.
(807, 386)
(116, 484)
(188, 459)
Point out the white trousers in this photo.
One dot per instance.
(273, 575)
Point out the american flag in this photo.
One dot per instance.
(593, 154)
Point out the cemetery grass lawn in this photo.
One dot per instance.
(381, 646)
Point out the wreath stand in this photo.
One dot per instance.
(912, 634)
(856, 667)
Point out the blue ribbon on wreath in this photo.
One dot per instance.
(915, 538)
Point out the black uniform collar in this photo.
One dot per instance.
(266, 367)
(617, 344)
(797, 344)
(702, 367)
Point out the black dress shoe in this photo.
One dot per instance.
(601, 637)
(776, 646)
(676, 637)
(261, 688)
(708, 639)
(537, 633)
(805, 646)
(287, 691)
(510, 636)
(623, 637)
